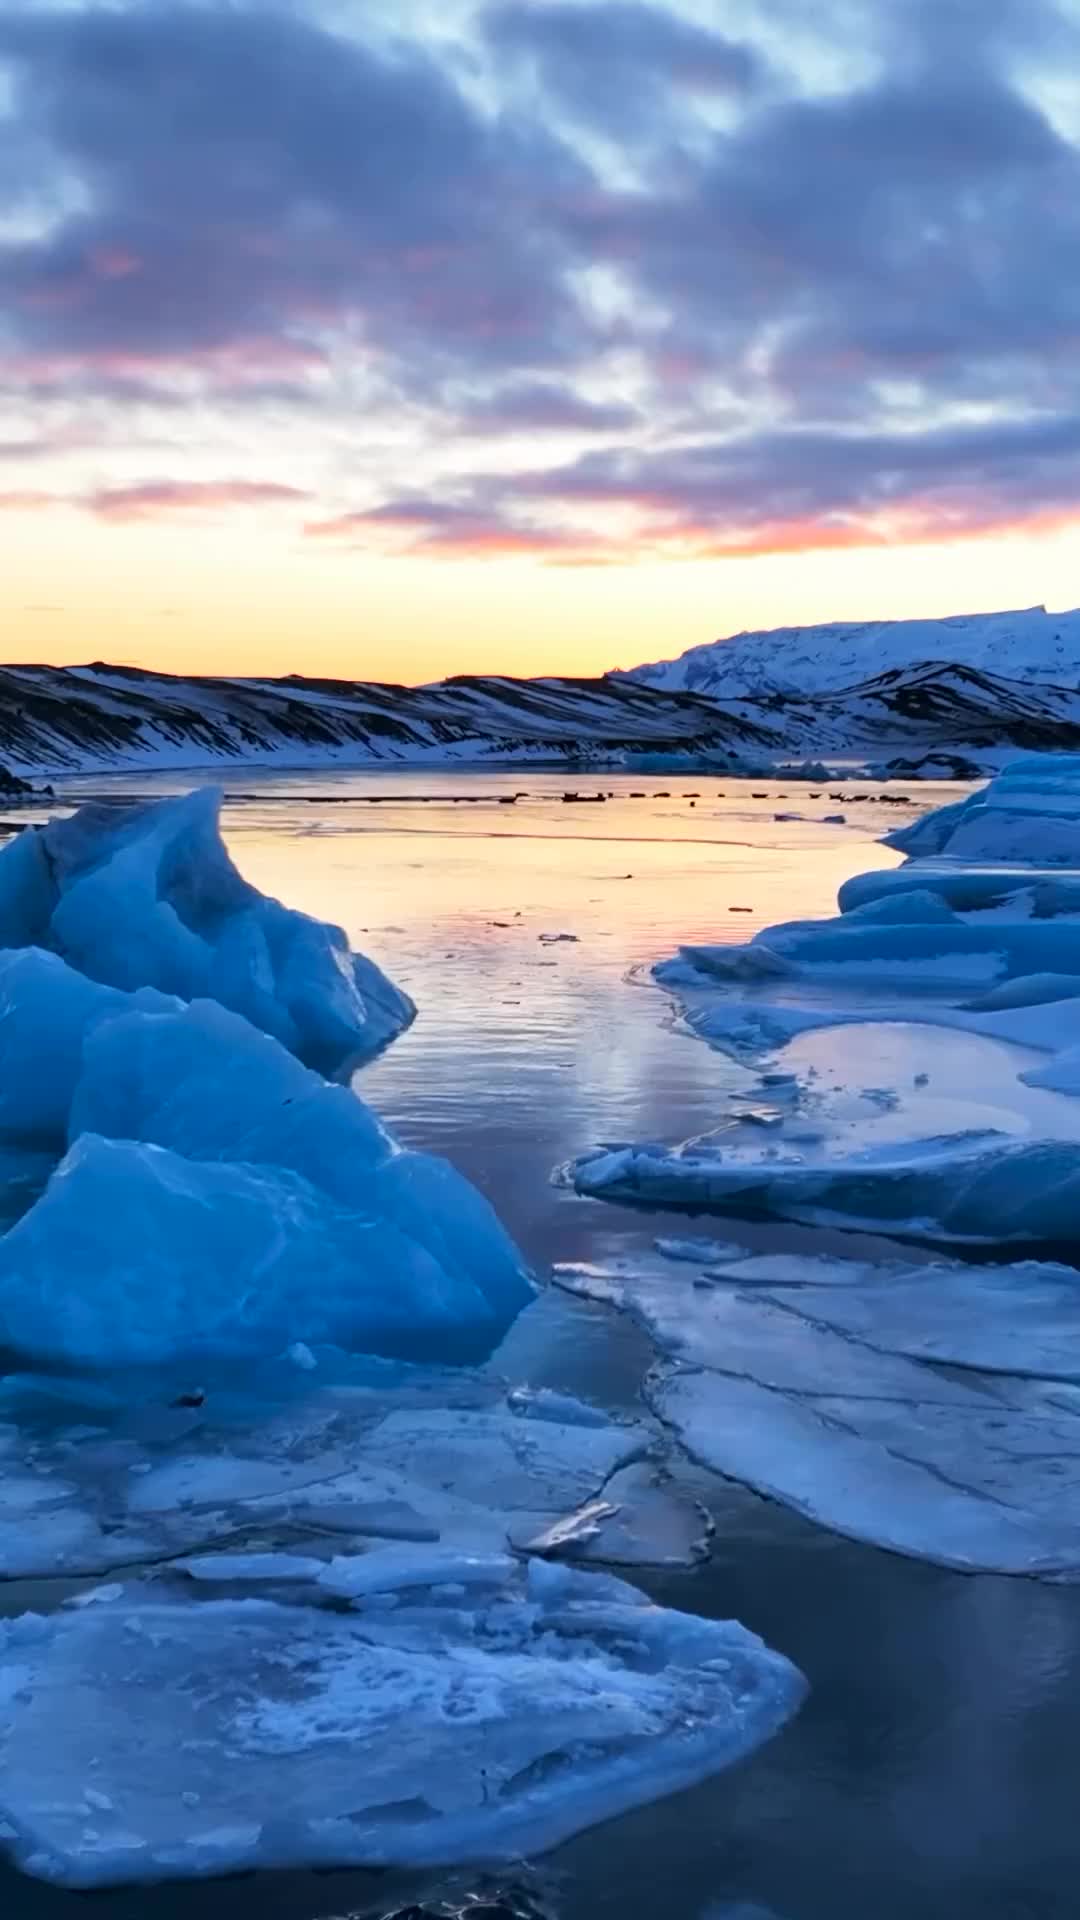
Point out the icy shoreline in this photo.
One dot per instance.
(918, 1078)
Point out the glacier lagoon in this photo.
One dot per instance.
(901, 1779)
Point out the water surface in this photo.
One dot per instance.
(931, 1772)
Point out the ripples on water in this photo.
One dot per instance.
(931, 1772)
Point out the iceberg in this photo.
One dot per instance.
(1030, 813)
(145, 895)
(450, 1713)
(135, 1256)
(217, 1198)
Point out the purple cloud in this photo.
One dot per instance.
(844, 312)
(306, 183)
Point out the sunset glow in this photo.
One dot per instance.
(535, 338)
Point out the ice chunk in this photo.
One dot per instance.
(733, 1333)
(979, 1188)
(202, 1082)
(697, 1250)
(290, 1736)
(146, 895)
(1061, 1075)
(501, 1462)
(918, 906)
(336, 1461)
(253, 1569)
(205, 1083)
(543, 1403)
(854, 1466)
(641, 1520)
(135, 1256)
(965, 889)
(400, 1569)
(957, 955)
(1027, 990)
(751, 1030)
(1030, 812)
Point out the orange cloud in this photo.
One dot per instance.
(28, 500)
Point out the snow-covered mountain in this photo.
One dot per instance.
(57, 720)
(919, 709)
(100, 718)
(1029, 645)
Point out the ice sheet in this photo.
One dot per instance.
(832, 1398)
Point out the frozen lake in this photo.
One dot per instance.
(930, 1771)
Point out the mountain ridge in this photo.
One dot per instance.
(57, 721)
(1025, 644)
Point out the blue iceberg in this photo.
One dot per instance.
(145, 895)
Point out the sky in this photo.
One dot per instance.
(394, 338)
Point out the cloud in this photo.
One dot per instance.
(306, 183)
(164, 499)
(828, 264)
(618, 65)
(793, 491)
(27, 501)
(26, 447)
(452, 531)
(542, 406)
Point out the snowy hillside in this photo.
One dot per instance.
(1029, 645)
(94, 718)
(920, 709)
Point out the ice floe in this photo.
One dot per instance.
(931, 1410)
(416, 1455)
(437, 1720)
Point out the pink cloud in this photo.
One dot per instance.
(451, 532)
(161, 499)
